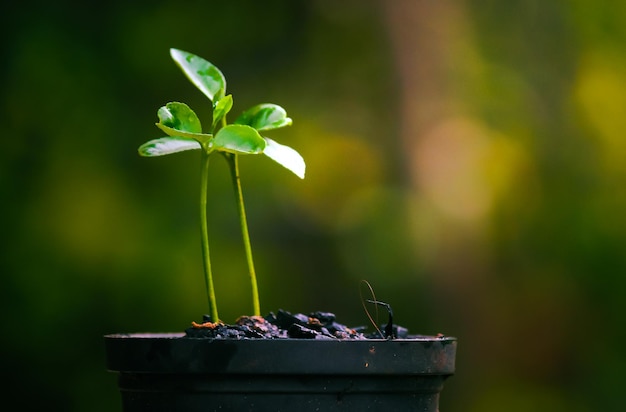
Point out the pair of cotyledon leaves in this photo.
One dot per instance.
(184, 131)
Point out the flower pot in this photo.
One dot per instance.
(172, 372)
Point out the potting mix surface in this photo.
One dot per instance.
(285, 325)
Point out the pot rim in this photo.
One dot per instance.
(174, 353)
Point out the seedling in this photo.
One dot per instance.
(184, 132)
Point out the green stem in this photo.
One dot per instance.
(234, 169)
(208, 275)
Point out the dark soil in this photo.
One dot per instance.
(285, 325)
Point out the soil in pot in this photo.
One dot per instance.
(282, 362)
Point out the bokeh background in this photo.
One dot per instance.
(467, 158)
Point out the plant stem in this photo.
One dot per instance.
(233, 162)
(208, 275)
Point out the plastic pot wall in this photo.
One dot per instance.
(165, 372)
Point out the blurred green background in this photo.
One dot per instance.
(467, 158)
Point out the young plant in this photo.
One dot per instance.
(184, 132)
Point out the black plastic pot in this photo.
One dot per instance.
(168, 372)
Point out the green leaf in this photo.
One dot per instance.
(178, 120)
(264, 116)
(205, 76)
(285, 156)
(167, 145)
(239, 139)
(179, 117)
(222, 107)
